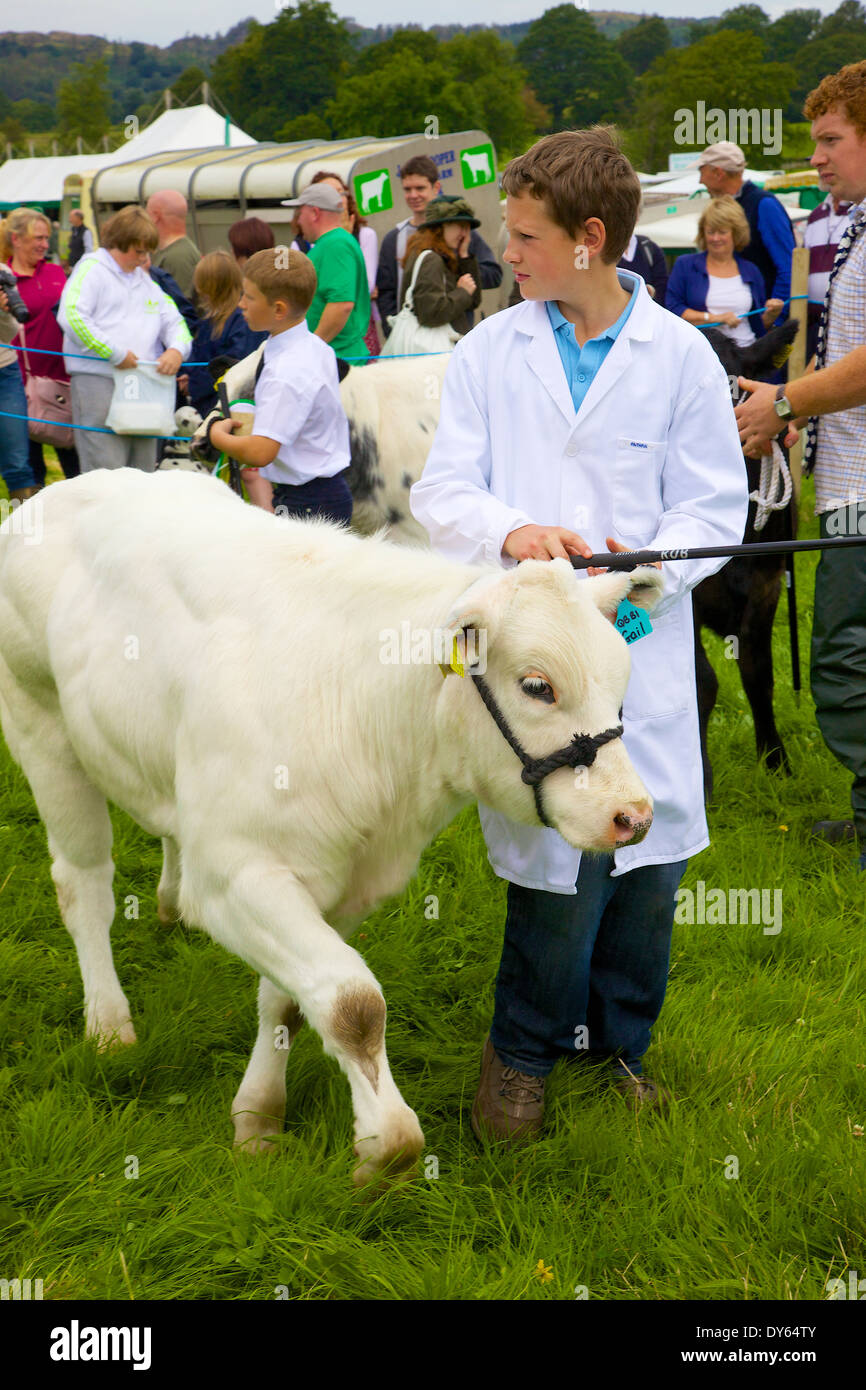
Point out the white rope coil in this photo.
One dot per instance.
(774, 470)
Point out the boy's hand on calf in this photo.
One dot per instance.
(220, 429)
(544, 543)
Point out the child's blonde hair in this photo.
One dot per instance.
(217, 282)
(283, 273)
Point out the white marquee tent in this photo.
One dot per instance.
(27, 181)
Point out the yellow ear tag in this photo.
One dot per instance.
(456, 663)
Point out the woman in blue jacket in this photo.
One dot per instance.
(716, 285)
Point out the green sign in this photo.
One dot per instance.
(373, 192)
(477, 165)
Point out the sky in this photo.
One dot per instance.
(162, 21)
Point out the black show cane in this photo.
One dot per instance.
(630, 559)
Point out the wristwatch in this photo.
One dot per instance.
(782, 406)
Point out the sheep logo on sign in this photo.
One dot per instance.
(477, 165)
(373, 191)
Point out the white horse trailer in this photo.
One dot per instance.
(223, 184)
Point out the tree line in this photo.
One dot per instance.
(309, 74)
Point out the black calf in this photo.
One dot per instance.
(740, 601)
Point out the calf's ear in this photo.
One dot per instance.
(647, 587)
(474, 617)
(642, 586)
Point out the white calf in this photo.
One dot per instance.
(292, 764)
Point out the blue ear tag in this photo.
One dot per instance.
(632, 623)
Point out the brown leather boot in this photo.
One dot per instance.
(509, 1104)
(20, 494)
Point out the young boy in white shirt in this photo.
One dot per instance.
(587, 418)
(301, 439)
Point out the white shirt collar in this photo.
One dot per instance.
(281, 342)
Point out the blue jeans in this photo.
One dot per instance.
(597, 961)
(14, 439)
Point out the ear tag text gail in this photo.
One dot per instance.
(631, 622)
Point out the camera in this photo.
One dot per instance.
(9, 285)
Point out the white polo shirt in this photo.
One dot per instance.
(298, 404)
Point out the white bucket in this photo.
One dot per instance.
(143, 402)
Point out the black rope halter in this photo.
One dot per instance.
(581, 752)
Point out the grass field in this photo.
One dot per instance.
(117, 1177)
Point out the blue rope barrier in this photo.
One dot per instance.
(88, 357)
(177, 438)
(91, 429)
(718, 323)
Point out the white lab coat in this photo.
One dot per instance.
(653, 458)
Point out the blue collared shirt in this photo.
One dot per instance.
(581, 363)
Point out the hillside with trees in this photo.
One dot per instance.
(310, 74)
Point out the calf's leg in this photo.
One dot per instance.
(264, 914)
(79, 840)
(168, 909)
(756, 671)
(259, 1107)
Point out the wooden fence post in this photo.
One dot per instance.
(797, 359)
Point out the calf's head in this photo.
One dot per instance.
(538, 735)
(759, 360)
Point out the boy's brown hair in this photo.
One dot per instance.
(845, 88)
(132, 226)
(579, 174)
(422, 167)
(283, 273)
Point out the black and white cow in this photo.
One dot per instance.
(393, 409)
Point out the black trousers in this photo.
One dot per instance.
(327, 497)
(67, 458)
(839, 651)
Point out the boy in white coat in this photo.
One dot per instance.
(587, 418)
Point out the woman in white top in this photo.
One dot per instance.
(717, 285)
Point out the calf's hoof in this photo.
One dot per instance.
(389, 1158)
(255, 1129)
(256, 1145)
(167, 913)
(777, 761)
(110, 1034)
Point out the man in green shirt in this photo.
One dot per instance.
(340, 310)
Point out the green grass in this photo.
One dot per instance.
(761, 1038)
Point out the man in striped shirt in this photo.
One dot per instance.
(834, 395)
(821, 236)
